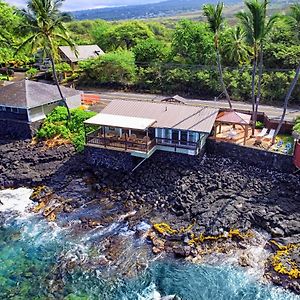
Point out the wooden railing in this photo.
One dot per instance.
(116, 142)
(137, 145)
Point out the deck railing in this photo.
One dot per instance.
(138, 144)
(119, 143)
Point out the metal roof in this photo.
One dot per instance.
(120, 121)
(83, 52)
(234, 118)
(30, 94)
(166, 115)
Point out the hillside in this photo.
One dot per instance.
(167, 8)
(161, 9)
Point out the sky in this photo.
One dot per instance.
(83, 4)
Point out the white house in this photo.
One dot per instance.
(141, 127)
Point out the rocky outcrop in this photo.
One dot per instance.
(22, 163)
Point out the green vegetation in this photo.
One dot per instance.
(297, 125)
(177, 57)
(56, 125)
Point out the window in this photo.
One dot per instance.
(14, 110)
(168, 136)
(159, 133)
(183, 138)
(193, 136)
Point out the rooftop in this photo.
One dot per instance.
(165, 115)
(234, 117)
(120, 121)
(83, 52)
(30, 94)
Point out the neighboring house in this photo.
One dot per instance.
(82, 53)
(141, 128)
(24, 103)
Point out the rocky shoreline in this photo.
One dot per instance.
(207, 197)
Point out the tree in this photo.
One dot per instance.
(113, 67)
(234, 48)
(294, 21)
(192, 43)
(124, 35)
(257, 27)
(149, 51)
(214, 15)
(46, 25)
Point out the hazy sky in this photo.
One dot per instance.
(83, 4)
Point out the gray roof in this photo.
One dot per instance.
(29, 94)
(83, 52)
(175, 116)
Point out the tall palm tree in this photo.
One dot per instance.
(235, 48)
(294, 21)
(214, 15)
(257, 27)
(45, 24)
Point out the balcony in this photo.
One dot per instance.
(129, 143)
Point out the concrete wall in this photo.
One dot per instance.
(251, 156)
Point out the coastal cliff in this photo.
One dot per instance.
(214, 194)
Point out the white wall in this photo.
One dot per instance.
(40, 112)
(74, 101)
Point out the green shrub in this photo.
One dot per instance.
(56, 124)
(259, 125)
(31, 72)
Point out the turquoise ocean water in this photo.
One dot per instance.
(39, 260)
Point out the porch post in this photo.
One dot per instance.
(245, 133)
(125, 140)
(104, 136)
(147, 135)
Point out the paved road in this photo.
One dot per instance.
(271, 111)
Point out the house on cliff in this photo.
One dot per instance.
(83, 52)
(140, 128)
(25, 103)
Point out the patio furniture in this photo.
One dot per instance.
(287, 148)
(146, 139)
(232, 134)
(278, 145)
(132, 137)
(263, 132)
(123, 137)
(270, 135)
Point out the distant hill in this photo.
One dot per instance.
(161, 9)
(155, 10)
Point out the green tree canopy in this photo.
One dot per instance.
(192, 43)
(150, 50)
(113, 67)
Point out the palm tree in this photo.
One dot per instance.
(294, 21)
(45, 23)
(257, 27)
(234, 48)
(214, 15)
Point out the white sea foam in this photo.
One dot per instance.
(15, 200)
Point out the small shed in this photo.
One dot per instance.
(233, 118)
(82, 52)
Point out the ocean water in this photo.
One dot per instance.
(40, 260)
